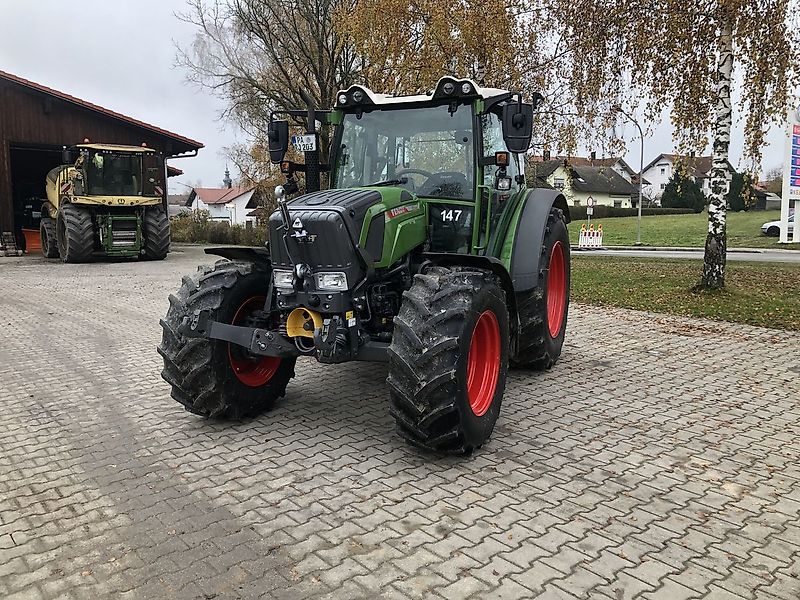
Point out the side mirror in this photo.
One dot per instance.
(278, 136)
(517, 126)
(66, 156)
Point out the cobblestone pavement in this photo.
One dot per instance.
(659, 459)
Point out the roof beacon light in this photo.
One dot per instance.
(342, 98)
(358, 96)
(448, 88)
(466, 88)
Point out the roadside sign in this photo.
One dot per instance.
(590, 210)
(790, 198)
(305, 143)
(589, 201)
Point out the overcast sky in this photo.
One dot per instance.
(121, 55)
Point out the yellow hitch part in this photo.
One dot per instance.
(302, 322)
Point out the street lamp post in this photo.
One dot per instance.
(641, 168)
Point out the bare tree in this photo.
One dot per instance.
(258, 55)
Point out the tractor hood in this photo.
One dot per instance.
(344, 230)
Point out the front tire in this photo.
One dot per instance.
(47, 232)
(156, 233)
(543, 310)
(213, 378)
(75, 233)
(448, 360)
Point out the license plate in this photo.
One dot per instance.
(305, 143)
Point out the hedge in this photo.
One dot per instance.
(198, 227)
(578, 213)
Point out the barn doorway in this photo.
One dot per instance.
(29, 167)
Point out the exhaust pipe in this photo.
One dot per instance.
(312, 157)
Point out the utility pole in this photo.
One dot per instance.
(641, 168)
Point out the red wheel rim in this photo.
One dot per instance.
(556, 289)
(483, 363)
(253, 371)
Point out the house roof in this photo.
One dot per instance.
(587, 161)
(217, 195)
(600, 180)
(192, 144)
(697, 166)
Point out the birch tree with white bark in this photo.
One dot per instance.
(685, 57)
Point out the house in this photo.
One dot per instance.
(36, 122)
(659, 171)
(579, 181)
(230, 203)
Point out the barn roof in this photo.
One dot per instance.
(192, 144)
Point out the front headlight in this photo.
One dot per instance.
(282, 279)
(331, 282)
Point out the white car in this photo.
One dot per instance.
(773, 228)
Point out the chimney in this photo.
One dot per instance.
(227, 182)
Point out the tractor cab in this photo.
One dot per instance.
(456, 150)
(120, 171)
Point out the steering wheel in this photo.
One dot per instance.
(438, 182)
(412, 186)
(427, 174)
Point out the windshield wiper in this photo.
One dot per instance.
(399, 181)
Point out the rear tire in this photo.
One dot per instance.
(543, 310)
(774, 231)
(448, 360)
(75, 233)
(47, 232)
(211, 377)
(156, 233)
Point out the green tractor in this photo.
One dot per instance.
(427, 251)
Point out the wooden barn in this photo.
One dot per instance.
(36, 122)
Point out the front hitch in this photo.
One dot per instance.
(261, 342)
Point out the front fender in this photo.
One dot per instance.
(257, 255)
(487, 263)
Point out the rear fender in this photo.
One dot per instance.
(487, 263)
(526, 258)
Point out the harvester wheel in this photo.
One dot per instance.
(543, 310)
(156, 233)
(75, 233)
(448, 359)
(47, 231)
(211, 377)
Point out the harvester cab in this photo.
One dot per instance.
(427, 251)
(106, 199)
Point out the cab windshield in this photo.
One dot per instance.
(120, 174)
(427, 151)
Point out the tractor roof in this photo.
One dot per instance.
(447, 89)
(117, 148)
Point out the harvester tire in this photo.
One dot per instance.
(543, 310)
(75, 234)
(213, 378)
(156, 233)
(47, 232)
(448, 359)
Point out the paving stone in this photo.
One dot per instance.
(665, 478)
